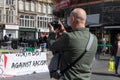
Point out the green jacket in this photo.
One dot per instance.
(72, 45)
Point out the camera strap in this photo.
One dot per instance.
(88, 46)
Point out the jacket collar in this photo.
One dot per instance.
(81, 29)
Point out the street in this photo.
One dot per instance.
(99, 71)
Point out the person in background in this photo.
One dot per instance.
(40, 39)
(10, 37)
(44, 43)
(104, 48)
(98, 50)
(72, 45)
(116, 52)
(6, 38)
(45, 39)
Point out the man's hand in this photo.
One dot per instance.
(62, 27)
(51, 28)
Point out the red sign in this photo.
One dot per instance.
(63, 4)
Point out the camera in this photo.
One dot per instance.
(56, 25)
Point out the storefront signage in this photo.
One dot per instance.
(12, 27)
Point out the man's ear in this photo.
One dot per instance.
(72, 18)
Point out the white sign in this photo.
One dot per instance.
(13, 27)
(93, 19)
(44, 30)
(25, 63)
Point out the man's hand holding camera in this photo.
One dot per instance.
(56, 29)
(62, 30)
(51, 28)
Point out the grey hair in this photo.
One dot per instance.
(78, 16)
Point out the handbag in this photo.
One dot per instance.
(111, 65)
(54, 66)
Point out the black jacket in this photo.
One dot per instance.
(114, 48)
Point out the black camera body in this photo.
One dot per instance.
(56, 25)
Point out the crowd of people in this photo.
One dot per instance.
(41, 42)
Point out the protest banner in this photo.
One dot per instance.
(24, 63)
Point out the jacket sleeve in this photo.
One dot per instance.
(51, 38)
(60, 44)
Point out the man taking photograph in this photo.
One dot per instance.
(72, 45)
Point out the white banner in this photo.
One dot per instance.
(25, 63)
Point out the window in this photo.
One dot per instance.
(32, 6)
(10, 16)
(42, 22)
(1, 2)
(27, 6)
(44, 8)
(0, 15)
(7, 16)
(40, 0)
(45, 20)
(49, 9)
(10, 2)
(39, 7)
(21, 5)
(27, 21)
(22, 23)
(13, 33)
(32, 19)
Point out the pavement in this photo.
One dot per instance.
(99, 70)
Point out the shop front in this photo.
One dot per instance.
(109, 34)
(27, 33)
(113, 30)
(11, 31)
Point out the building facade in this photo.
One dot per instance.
(34, 16)
(25, 18)
(8, 18)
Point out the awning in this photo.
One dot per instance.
(27, 29)
(95, 25)
(112, 27)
